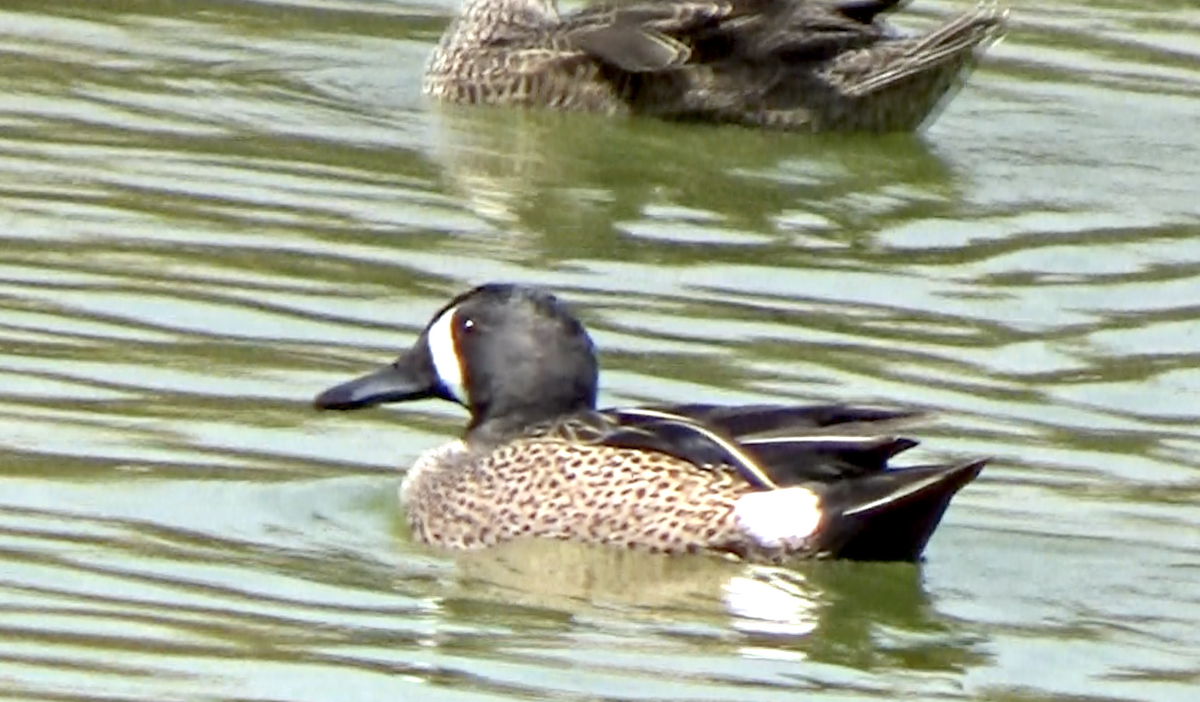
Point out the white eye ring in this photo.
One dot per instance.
(444, 352)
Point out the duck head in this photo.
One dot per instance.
(512, 355)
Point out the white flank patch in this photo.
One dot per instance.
(778, 517)
(444, 352)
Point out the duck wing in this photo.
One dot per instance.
(801, 443)
(744, 422)
(645, 430)
(655, 36)
(644, 37)
(770, 446)
(637, 38)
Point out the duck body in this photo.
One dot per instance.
(764, 483)
(810, 65)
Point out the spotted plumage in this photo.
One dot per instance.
(766, 483)
(787, 64)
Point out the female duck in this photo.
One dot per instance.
(786, 64)
(767, 483)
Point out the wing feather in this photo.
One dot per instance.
(770, 446)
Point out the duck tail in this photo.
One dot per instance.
(950, 46)
(888, 516)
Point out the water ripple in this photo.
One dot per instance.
(209, 211)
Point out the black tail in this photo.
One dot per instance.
(889, 516)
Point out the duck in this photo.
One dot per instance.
(796, 65)
(762, 483)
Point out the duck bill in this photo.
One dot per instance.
(411, 377)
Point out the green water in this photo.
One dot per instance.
(209, 211)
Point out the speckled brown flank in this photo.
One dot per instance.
(553, 488)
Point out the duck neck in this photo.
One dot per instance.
(494, 425)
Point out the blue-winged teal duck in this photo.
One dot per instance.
(788, 64)
(767, 483)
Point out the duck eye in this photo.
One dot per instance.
(468, 324)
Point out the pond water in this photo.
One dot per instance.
(212, 210)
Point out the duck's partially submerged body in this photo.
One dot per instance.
(787, 64)
(766, 483)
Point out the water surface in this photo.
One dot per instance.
(209, 211)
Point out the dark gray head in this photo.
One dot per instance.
(512, 355)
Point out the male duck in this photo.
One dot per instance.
(787, 64)
(767, 483)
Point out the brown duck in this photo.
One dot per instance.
(786, 64)
(766, 483)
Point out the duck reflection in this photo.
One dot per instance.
(862, 615)
(571, 183)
